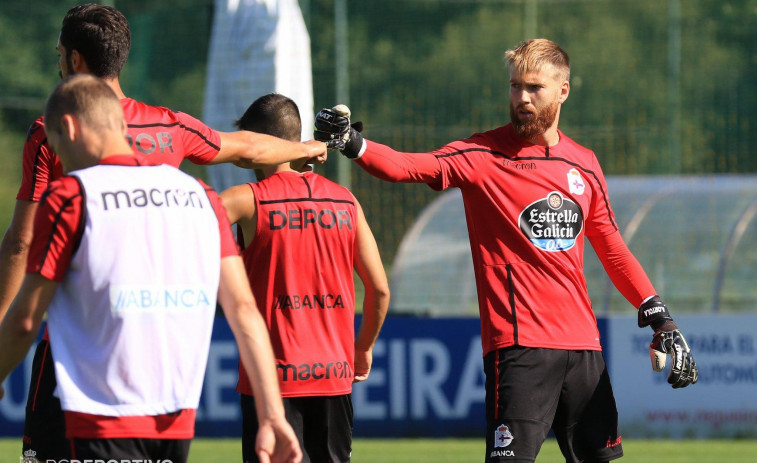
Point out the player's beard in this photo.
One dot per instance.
(535, 126)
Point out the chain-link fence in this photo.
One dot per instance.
(658, 87)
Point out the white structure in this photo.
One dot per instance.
(695, 237)
(256, 47)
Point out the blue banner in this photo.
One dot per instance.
(427, 380)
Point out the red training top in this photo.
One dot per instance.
(528, 208)
(160, 133)
(300, 266)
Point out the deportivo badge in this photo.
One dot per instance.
(575, 182)
(502, 436)
(553, 223)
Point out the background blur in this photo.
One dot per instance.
(658, 87)
(664, 91)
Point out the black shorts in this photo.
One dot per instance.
(131, 449)
(45, 424)
(530, 390)
(323, 426)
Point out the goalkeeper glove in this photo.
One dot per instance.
(333, 127)
(668, 339)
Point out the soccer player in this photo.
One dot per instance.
(127, 259)
(95, 39)
(531, 195)
(302, 237)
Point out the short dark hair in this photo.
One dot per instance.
(273, 114)
(101, 36)
(87, 98)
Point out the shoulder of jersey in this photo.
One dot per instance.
(37, 129)
(496, 139)
(322, 178)
(65, 187)
(145, 112)
(573, 145)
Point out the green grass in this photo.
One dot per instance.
(471, 450)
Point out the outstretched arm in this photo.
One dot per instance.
(276, 441)
(393, 166)
(376, 301)
(333, 127)
(253, 150)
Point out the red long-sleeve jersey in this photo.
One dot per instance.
(166, 136)
(528, 208)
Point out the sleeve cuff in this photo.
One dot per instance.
(362, 150)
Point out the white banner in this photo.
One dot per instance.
(722, 404)
(256, 47)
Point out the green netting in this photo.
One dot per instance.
(658, 87)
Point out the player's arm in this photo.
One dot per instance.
(333, 127)
(55, 226)
(13, 252)
(370, 269)
(239, 202)
(276, 440)
(253, 150)
(629, 277)
(19, 329)
(623, 268)
(39, 167)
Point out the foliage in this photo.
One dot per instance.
(425, 72)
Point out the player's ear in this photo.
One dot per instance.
(69, 127)
(564, 91)
(78, 65)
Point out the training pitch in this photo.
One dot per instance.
(471, 451)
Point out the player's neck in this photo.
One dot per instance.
(115, 85)
(550, 137)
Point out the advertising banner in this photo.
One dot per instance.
(427, 381)
(722, 404)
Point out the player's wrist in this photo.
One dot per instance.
(355, 146)
(654, 313)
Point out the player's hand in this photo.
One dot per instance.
(333, 127)
(683, 368)
(276, 442)
(318, 152)
(363, 362)
(668, 340)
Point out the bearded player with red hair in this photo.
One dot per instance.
(531, 196)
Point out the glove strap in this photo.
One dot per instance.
(355, 146)
(654, 312)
